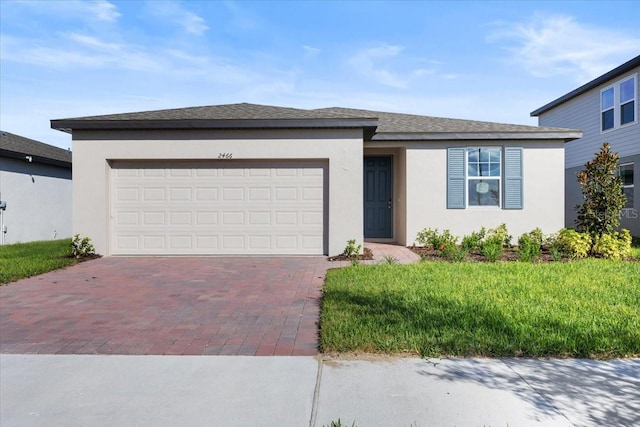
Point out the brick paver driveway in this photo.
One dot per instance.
(113, 305)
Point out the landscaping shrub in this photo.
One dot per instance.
(438, 241)
(82, 248)
(530, 246)
(473, 241)
(552, 244)
(573, 243)
(602, 193)
(351, 250)
(498, 235)
(492, 250)
(616, 245)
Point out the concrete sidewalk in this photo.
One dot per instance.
(70, 390)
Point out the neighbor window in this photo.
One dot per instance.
(626, 173)
(606, 106)
(618, 104)
(483, 176)
(628, 101)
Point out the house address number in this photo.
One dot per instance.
(225, 156)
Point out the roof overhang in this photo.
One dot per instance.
(566, 136)
(69, 125)
(34, 158)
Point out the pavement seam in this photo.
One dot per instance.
(316, 393)
(532, 387)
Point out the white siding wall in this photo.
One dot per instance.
(94, 149)
(38, 200)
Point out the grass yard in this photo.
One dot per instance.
(587, 308)
(22, 260)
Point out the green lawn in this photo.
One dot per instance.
(588, 308)
(22, 260)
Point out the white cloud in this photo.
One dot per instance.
(310, 52)
(554, 45)
(368, 63)
(103, 10)
(92, 42)
(173, 12)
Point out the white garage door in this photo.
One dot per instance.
(217, 207)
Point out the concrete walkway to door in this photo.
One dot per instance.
(171, 306)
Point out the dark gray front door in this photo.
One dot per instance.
(378, 196)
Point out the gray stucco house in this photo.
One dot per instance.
(606, 110)
(35, 190)
(257, 179)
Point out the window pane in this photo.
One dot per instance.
(627, 89)
(484, 192)
(607, 99)
(607, 119)
(472, 169)
(484, 155)
(628, 192)
(495, 169)
(473, 154)
(495, 155)
(627, 113)
(626, 173)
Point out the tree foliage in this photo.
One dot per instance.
(602, 193)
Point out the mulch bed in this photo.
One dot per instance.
(364, 256)
(508, 254)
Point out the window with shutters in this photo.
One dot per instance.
(484, 176)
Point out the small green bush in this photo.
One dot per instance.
(492, 250)
(454, 252)
(438, 241)
(530, 245)
(473, 241)
(616, 245)
(351, 250)
(499, 235)
(573, 243)
(82, 248)
(552, 244)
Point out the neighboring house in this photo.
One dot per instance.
(35, 189)
(606, 110)
(255, 179)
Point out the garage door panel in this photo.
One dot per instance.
(217, 208)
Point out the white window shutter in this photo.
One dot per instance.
(513, 177)
(456, 179)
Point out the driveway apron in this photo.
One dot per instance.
(163, 305)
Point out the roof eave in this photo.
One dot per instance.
(68, 125)
(35, 159)
(563, 135)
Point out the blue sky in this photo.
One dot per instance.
(494, 61)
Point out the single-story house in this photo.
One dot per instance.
(35, 190)
(606, 110)
(256, 179)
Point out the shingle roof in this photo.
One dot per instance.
(17, 146)
(397, 123)
(627, 66)
(379, 125)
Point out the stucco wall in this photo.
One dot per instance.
(342, 148)
(38, 200)
(426, 169)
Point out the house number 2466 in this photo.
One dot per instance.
(225, 156)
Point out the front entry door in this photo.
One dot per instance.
(378, 197)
